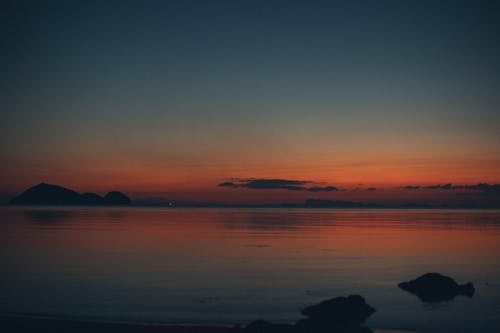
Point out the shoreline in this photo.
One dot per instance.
(21, 323)
(32, 323)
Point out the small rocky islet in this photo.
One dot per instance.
(55, 195)
(434, 287)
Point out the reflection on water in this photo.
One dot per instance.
(48, 216)
(237, 265)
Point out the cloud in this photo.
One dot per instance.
(410, 187)
(322, 189)
(265, 184)
(277, 184)
(228, 184)
(316, 187)
(484, 187)
(480, 187)
(448, 186)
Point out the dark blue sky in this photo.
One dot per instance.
(104, 89)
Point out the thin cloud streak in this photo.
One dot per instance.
(277, 184)
(481, 187)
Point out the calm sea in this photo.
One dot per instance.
(238, 265)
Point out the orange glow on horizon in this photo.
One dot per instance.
(197, 180)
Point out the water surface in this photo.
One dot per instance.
(237, 265)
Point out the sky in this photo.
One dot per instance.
(174, 98)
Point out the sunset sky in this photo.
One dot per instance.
(173, 98)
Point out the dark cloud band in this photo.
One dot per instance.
(482, 187)
(280, 184)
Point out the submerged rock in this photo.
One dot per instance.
(434, 287)
(351, 310)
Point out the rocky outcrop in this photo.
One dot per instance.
(351, 310)
(434, 287)
(48, 194)
(336, 315)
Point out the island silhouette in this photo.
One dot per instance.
(48, 194)
(434, 288)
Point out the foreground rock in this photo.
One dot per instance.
(48, 194)
(337, 315)
(340, 310)
(434, 287)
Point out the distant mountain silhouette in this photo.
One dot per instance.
(92, 199)
(116, 198)
(47, 194)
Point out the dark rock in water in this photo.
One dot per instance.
(434, 287)
(116, 198)
(46, 194)
(351, 310)
(337, 315)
